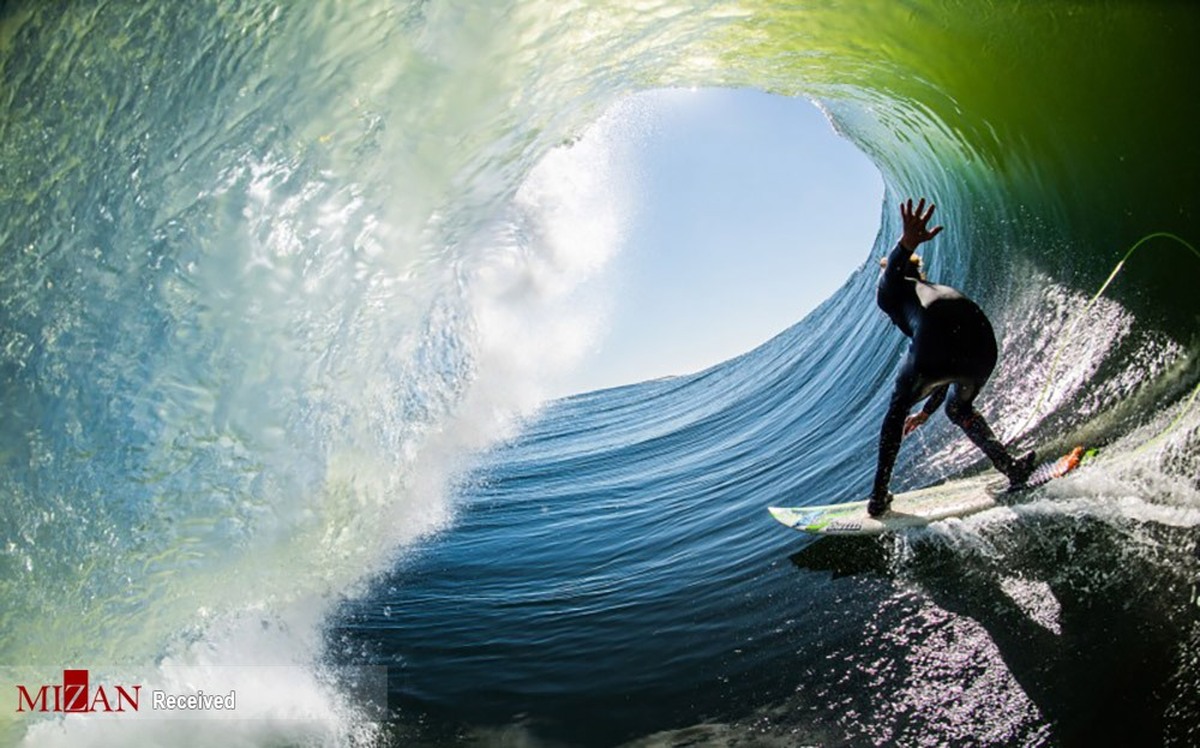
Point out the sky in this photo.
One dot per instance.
(748, 211)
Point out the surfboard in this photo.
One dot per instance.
(956, 498)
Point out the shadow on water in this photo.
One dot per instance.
(1103, 655)
(845, 556)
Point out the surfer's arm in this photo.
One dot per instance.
(936, 398)
(897, 259)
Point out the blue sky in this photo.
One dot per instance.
(749, 212)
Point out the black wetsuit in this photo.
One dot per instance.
(953, 353)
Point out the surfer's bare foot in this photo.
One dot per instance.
(878, 506)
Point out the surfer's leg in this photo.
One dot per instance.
(890, 434)
(961, 410)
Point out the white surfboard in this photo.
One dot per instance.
(956, 498)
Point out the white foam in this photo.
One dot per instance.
(261, 664)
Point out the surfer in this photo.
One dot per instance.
(952, 354)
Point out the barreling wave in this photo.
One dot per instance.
(274, 271)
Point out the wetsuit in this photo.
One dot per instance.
(953, 353)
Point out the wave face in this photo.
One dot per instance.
(275, 271)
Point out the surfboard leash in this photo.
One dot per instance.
(1191, 400)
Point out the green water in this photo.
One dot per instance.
(1064, 131)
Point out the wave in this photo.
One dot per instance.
(273, 274)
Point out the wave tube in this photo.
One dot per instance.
(262, 261)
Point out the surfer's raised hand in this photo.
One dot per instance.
(916, 223)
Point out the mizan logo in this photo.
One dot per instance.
(74, 696)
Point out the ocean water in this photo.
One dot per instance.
(285, 284)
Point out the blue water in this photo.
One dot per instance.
(612, 573)
(284, 285)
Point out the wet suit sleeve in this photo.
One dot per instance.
(897, 261)
(894, 291)
(936, 398)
